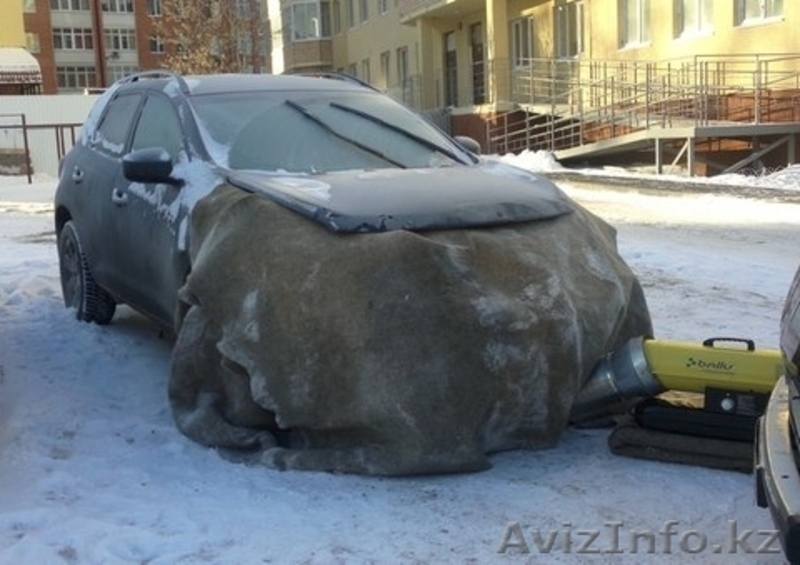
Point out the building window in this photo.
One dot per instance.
(154, 7)
(69, 5)
(477, 56)
(243, 8)
(117, 39)
(117, 72)
(307, 20)
(118, 6)
(32, 42)
(693, 17)
(156, 45)
(634, 22)
(403, 78)
(351, 13)
(73, 39)
(365, 71)
(402, 66)
(450, 69)
(29, 6)
(336, 9)
(76, 77)
(521, 42)
(748, 11)
(385, 66)
(352, 71)
(383, 6)
(364, 7)
(569, 38)
(244, 45)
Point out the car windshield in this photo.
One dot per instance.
(319, 131)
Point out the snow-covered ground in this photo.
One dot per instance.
(92, 469)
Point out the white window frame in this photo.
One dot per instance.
(118, 6)
(521, 42)
(366, 72)
(119, 39)
(156, 45)
(336, 16)
(750, 12)
(570, 35)
(69, 6)
(67, 38)
(351, 13)
(641, 34)
(304, 21)
(386, 65)
(703, 23)
(154, 8)
(402, 66)
(32, 43)
(118, 72)
(72, 77)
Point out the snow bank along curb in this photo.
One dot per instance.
(661, 186)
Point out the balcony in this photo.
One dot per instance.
(308, 56)
(412, 10)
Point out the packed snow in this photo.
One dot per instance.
(92, 469)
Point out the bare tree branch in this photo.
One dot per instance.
(212, 36)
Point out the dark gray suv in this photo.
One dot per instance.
(156, 143)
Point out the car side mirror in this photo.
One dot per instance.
(469, 144)
(149, 165)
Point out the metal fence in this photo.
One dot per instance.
(41, 129)
(565, 103)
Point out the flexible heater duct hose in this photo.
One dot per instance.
(646, 367)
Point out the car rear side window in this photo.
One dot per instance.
(112, 133)
(159, 126)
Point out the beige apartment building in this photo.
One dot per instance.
(563, 75)
(545, 65)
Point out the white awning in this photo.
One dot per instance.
(17, 66)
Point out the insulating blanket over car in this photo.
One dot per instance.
(391, 353)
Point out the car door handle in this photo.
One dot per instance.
(77, 175)
(119, 198)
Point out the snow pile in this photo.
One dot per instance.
(93, 470)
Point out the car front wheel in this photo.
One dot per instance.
(92, 303)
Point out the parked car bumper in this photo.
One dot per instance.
(776, 472)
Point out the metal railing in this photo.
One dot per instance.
(46, 142)
(566, 103)
(26, 150)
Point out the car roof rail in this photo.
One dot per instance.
(158, 74)
(340, 76)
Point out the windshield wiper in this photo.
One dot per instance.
(321, 123)
(375, 119)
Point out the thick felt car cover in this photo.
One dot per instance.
(391, 353)
(681, 431)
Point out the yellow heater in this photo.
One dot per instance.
(646, 367)
(694, 367)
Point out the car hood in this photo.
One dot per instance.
(491, 193)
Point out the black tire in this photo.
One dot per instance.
(91, 303)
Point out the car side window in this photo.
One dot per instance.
(159, 126)
(112, 132)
